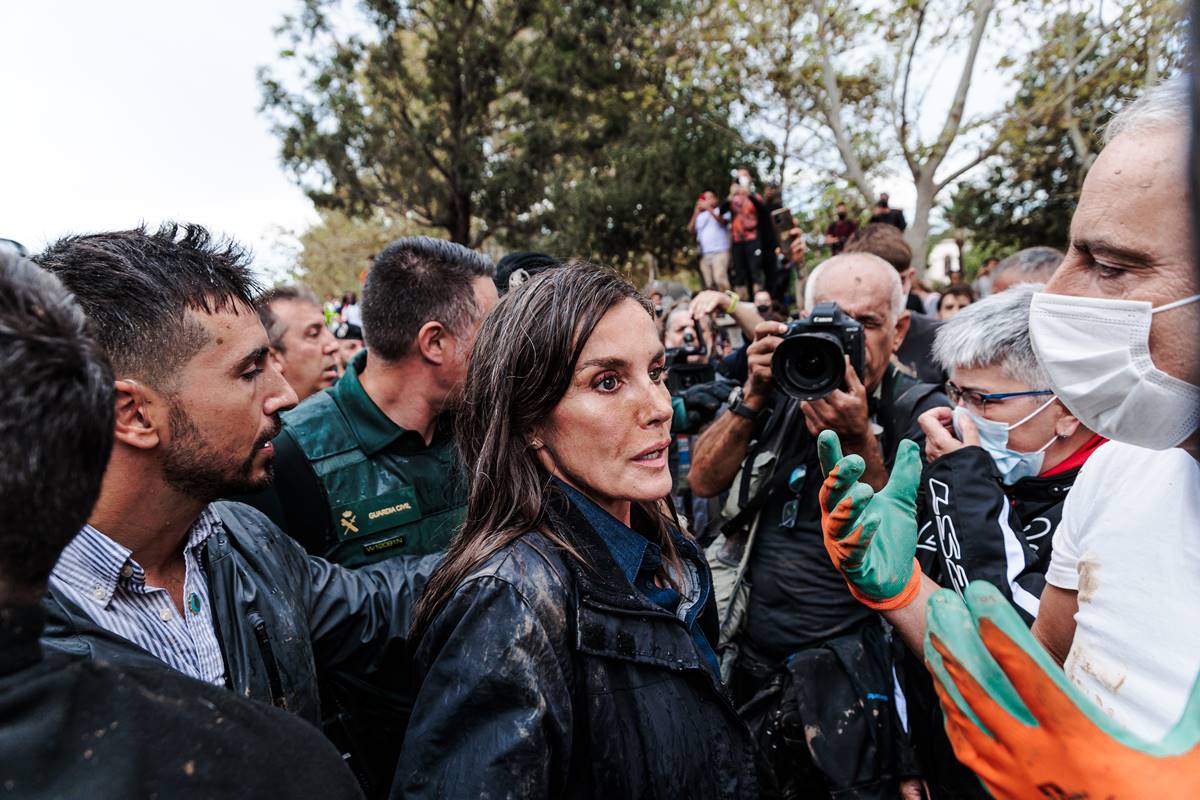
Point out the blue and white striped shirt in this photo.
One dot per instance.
(101, 577)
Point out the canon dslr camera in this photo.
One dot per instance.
(682, 372)
(810, 362)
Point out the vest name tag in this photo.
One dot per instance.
(383, 512)
(368, 517)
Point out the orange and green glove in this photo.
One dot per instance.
(1018, 723)
(871, 536)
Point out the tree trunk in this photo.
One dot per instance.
(917, 234)
(460, 218)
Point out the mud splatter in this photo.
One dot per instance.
(1089, 576)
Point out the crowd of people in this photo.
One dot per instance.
(521, 530)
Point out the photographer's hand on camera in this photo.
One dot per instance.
(846, 414)
(760, 385)
(939, 433)
(718, 453)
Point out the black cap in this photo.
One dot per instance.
(348, 331)
(516, 268)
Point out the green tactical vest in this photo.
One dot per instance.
(380, 506)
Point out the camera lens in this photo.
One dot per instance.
(809, 366)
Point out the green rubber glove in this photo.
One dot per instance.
(871, 537)
(1026, 731)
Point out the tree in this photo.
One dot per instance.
(849, 94)
(1083, 69)
(627, 202)
(456, 113)
(331, 256)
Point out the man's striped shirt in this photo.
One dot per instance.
(101, 577)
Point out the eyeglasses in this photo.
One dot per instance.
(979, 400)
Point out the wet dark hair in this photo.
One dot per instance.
(522, 365)
(417, 280)
(137, 288)
(56, 423)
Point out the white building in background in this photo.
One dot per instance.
(943, 259)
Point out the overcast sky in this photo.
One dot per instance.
(118, 112)
(130, 110)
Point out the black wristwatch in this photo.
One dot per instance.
(738, 406)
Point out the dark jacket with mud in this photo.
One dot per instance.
(545, 677)
(973, 527)
(73, 728)
(280, 614)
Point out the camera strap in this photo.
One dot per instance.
(775, 434)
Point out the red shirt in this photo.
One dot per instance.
(1077, 458)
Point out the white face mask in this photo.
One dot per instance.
(1096, 353)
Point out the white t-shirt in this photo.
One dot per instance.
(1129, 543)
(352, 314)
(711, 234)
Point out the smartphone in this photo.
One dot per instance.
(781, 220)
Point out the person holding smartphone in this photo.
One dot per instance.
(709, 226)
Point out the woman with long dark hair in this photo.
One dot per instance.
(565, 647)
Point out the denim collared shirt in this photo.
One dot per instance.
(640, 559)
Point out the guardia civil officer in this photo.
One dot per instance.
(366, 471)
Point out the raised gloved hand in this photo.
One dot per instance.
(871, 537)
(1018, 723)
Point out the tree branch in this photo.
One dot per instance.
(983, 10)
(833, 115)
(912, 51)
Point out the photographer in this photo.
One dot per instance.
(798, 649)
(697, 394)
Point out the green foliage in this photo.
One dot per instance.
(636, 198)
(483, 118)
(335, 254)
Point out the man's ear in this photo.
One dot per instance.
(432, 342)
(1066, 425)
(902, 323)
(141, 415)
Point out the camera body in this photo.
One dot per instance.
(683, 374)
(810, 361)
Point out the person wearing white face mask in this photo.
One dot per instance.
(1115, 331)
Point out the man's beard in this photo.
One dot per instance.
(195, 468)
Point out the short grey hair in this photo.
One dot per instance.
(1033, 263)
(1166, 104)
(274, 325)
(896, 286)
(993, 332)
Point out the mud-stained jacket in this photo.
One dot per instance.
(544, 677)
(279, 614)
(973, 527)
(71, 728)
